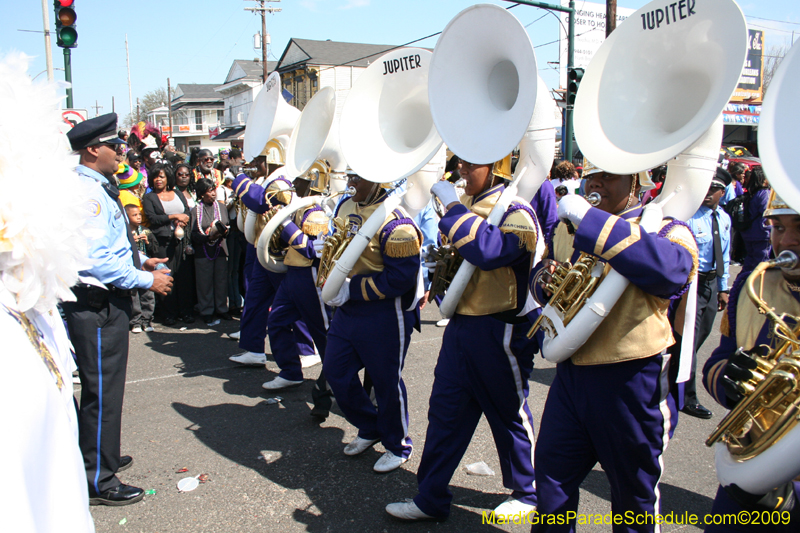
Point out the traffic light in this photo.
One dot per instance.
(575, 75)
(66, 34)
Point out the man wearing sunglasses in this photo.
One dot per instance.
(712, 230)
(98, 319)
(205, 167)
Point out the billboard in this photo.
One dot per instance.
(751, 83)
(590, 32)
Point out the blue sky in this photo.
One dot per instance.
(196, 41)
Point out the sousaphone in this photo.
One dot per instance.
(386, 134)
(483, 91)
(653, 92)
(757, 442)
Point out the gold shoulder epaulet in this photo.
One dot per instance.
(680, 234)
(315, 221)
(404, 240)
(519, 221)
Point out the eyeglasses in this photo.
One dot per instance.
(353, 178)
(207, 159)
(182, 175)
(114, 146)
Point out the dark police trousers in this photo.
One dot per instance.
(98, 327)
(706, 313)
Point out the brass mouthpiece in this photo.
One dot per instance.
(460, 183)
(786, 259)
(593, 199)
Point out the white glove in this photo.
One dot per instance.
(344, 294)
(445, 192)
(319, 244)
(573, 207)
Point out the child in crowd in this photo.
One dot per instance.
(143, 301)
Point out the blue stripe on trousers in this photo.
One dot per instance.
(100, 399)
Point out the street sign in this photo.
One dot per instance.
(74, 116)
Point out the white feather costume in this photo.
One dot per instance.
(42, 248)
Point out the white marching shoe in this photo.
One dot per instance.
(388, 462)
(513, 507)
(249, 358)
(407, 510)
(280, 383)
(359, 445)
(307, 361)
(443, 323)
(235, 335)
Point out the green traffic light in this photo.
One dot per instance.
(68, 36)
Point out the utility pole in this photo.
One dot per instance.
(48, 53)
(264, 9)
(566, 142)
(113, 107)
(169, 107)
(611, 16)
(138, 118)
(130, 94)
(96, 108)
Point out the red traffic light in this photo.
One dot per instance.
(66, 3)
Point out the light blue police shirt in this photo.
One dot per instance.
(111, 251)
(700, 225)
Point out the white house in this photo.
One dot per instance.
(197, 115)
(243, 83)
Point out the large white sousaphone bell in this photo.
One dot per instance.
(654, 91)
(386, 134)
(270, 116)
(483, 90)
(269, 124)
(307, 141)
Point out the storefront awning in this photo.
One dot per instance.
(231, 134)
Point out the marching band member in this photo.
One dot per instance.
(371, 329)
(261, 284)
(299, 299)
(743, 326)
(609, 402)
(486, 357)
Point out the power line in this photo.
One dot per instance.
(773, 20)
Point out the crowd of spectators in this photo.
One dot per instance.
(181, 207)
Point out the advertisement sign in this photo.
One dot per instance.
(590, 32)
(751, 83)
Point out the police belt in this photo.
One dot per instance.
(84, 288)
(707, 277)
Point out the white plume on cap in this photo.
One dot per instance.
(43, 204)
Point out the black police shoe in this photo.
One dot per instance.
(125, 463)
(121, 495)
(696, 410)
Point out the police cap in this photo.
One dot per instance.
(102, 129)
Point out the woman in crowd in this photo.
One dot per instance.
(756, 237)
(209, 228)
(185, 182)
(168, 214)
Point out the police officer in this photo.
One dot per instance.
(98, 320)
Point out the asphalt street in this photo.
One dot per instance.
(271, 467)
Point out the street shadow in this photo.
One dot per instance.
(294, 452)
(673, 499)
(545, 376)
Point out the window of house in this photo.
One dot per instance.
(220, 115)
(198, 120)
